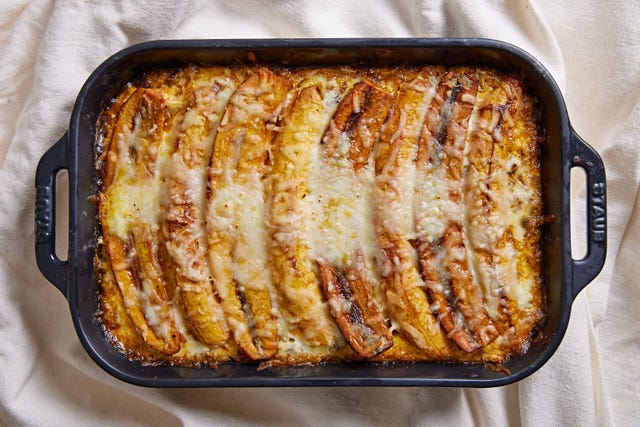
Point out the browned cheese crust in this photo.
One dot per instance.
(287, 216)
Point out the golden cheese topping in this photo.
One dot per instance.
(320, 214)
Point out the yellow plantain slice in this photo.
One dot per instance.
(393, 216)
(466, 292)
(497, 195)
(184, 208)
(292, 264)
(236, 208)
(121, 330)
(345, 153)
(353, 306)
(430, 213)
(356, 124)
(487, 214)
(132, 188)
(107, 159)
(524, 198)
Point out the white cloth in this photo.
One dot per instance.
(48, 49)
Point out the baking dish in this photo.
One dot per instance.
(563, 150)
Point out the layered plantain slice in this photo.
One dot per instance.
(236, 208)
(131, 240)
(206, 97)
(393, 216)
(354, 307)
(121, 330)
(484, 184)
(345, 152)
(452, 289)
(495, 187)
(293, 268)
(355, 126)
(430, 211)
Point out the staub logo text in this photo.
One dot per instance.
(598, 211)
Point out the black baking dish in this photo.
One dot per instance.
(563, 150)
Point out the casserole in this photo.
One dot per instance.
(246, 211)
(564, 277)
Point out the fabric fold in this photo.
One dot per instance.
(49, 48)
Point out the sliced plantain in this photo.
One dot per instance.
(206, 96)
(294, 273)
(345, 153)
(354, 308)
(236, 208)
(394, 193)
(131, 180)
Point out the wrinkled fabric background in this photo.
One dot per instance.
(49, 48)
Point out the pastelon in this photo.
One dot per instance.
(257, 213)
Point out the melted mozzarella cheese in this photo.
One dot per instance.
(432, 209)
(340, 209)
(134, 198)
(239, 210)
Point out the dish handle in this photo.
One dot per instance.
(52, 267)
(587, 268)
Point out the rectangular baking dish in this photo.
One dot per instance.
(562, 150)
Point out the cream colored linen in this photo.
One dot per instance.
(48, 49)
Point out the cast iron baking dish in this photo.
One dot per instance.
(563, 150)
